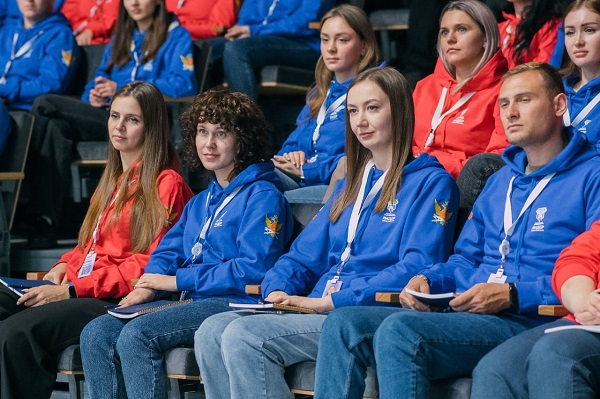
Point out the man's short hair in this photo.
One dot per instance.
(550, 76)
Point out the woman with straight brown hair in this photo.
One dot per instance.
(148, 45)
(139, 198)
(311, 152)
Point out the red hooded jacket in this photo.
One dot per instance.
(473, 128)
(541, 46)
(199, 17)
(101, 23)
(115, 265)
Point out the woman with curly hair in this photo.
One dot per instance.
(228, 236)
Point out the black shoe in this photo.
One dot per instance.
(43, 235)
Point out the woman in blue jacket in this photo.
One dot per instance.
(148, 45)
(358, 244)
(582, 84)
(228, 236)
(312, 151)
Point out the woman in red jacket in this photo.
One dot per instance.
(529, 30)
(457, 114)
(139, 197)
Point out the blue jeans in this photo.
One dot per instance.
(244, 354)
(124, 358)
(564, 364)
(410, 348)
(244, 58)
(346, 350)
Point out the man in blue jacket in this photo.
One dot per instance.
(38, 54)
(269, 32)
(530, 210)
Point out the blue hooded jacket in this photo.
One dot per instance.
(577, 100)
(390, 246)
(242, 243)
(48, 66)
(330, 146)
(289, 18)
(172, 70)
(567, 207)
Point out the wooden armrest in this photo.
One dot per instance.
(552, 310)
(253, 289)
(35, 275)
(388, 297)
(12, 175)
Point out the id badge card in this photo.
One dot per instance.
(88, 265)
(498, 277)
(333, 285)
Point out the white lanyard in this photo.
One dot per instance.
(197, 248)
(321, 118)
(358, 207)
(84, 24)
(509, 225)
(271, 10)
(584, 112)
(509, 32)
(438, 116)
(14, 55)
(136, 58)
(180, 4)
(97, 229)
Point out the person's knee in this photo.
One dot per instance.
(401, 329)
(337, 327)
(236, 51)
(44, 105)
(131, 341)
(551, 346)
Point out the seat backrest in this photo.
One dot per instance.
(202, 51)
(91, 56)
(12, 162)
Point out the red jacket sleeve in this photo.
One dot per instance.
(104, 21)
(113, 272)
(545, 40)
(581, 258)
(200, 17)
(498, 141)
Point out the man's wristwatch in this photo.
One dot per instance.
(72, 292)
(513, 295)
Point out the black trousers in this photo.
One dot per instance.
(32, 338)
(60, 121)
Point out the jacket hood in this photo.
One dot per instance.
(489, 75)
(423, 161)
(259, 171)
(580, 98)
(53, 20)
(578, 150)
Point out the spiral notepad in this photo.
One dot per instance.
(271, 306)
(129, 312)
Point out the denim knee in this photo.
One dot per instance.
(131, 341)
(235, 50)
(551, 347)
